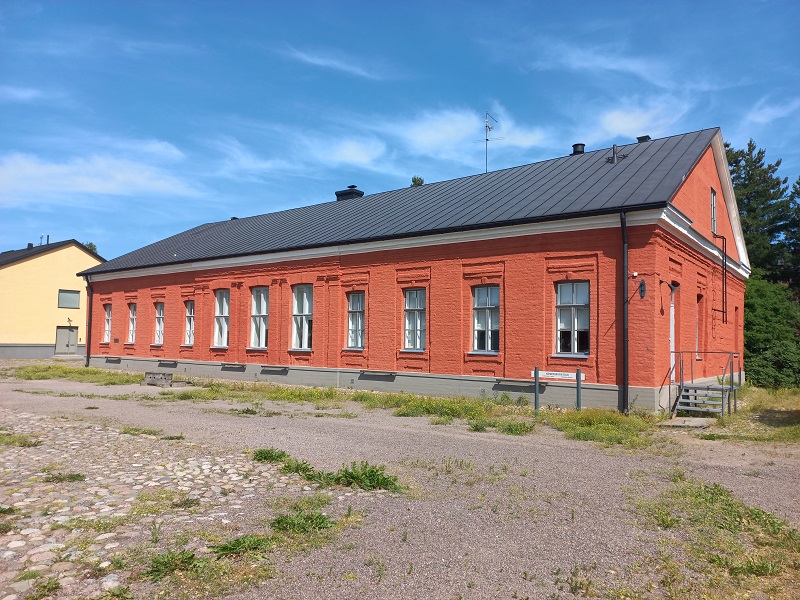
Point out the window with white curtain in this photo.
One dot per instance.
(131, 323)
(572, 316)
(259, 319)
(486, 318)
(158, 340)
(302, 316)
(415, 307)
(188, 337)
(355, 320)
(222, 301)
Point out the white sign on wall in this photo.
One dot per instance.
(558, 375)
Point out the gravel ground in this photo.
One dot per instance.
(485, 515)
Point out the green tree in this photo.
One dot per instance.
(764, 207)
(90, 246)
(416, 181)
(791, 272)
(771, 333)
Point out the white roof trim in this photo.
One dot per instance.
(724, 172)
(674, 220)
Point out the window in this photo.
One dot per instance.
(259, 327)
(159, 337)
(415, 320)
(131, 323)
(302, 316)
(107, 325)
(486, 318)
(222, 300)
(713, 211)
(188, 338)
(355, 320)
(69, 299)
(572, 314)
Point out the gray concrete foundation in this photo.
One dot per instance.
(551, 393)
(35, 351)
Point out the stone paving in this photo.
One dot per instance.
(73, 531)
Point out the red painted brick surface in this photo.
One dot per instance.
(526, 270)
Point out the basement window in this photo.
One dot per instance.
(572, 317)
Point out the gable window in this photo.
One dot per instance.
(222, 301)
(713, 211)
(486, 318)
(355, 320)
(188, 337)
(259, 325)
(131, 323)
(572, 316)
(159, 337)
(107, 324)
(414, 319)
(69, 299)
(302, 316)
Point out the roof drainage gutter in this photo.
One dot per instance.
(623, 405)
(88, 321)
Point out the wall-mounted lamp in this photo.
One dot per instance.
(642, 288)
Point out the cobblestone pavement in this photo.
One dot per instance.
(73, 531)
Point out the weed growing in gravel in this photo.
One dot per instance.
(43, 589)
(20, 440)
(270, 455)
(7, 510)
(82, 374)
(172, 437)
(312, 502)
(301, 522)
(244, 411)
(742, 545)
(100, 525)
(140, 431)
(245, 544)
(91, 408)
(64, 477)
(28, 575)
(507, 426)
(167, 563)
(604, 426)
(122, 592)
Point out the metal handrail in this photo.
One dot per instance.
(728, 371)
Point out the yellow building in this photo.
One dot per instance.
(43, 301)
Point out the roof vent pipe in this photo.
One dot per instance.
(351, 192)
(577, 149)
(30, 245)
(642, 138)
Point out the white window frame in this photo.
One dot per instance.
(573, 316)
(486, 319)
(107, 324)
(222, 314)
(302, 316)
(713, 210)
(131, 323)
(259, 317)
(414, 327)
(355, 320)
(158, 339)
(188, 336)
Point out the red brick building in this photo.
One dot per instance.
(457, 287)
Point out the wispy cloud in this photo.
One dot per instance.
(764, 113)
(631, 117)
(29, 180)
(335, 61)
(241, 163)
(10, 93)
(353, 151)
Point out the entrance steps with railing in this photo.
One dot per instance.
(703, 399)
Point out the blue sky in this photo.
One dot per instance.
(123, 123)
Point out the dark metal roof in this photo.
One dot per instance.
(570, 186)
(12, 256)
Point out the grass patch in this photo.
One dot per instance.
(46, 588)
(302, 523)
(91, 408)
(82, 374)
(607, 427)
(743, 547)
(169, 562)
(101, 525)
(244, 411)
(253, 393)
(312, 502)
(763, 416)
(503, 425)
(18, 439)
(245, 544)
(7, 510)
(366, 476)
(64, 477)
(140, 431)
(172, 437)
(270, 455)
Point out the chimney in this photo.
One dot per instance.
(577, 149)
(30, 245)
(642, 138)
(351, 192)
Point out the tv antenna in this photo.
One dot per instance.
(487, 139)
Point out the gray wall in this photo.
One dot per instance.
(35, 351)
(552, 393)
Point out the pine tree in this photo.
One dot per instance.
(764, 208)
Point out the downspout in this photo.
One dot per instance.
(88, 321)
(624, 290)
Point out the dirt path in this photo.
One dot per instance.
(486, 515)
